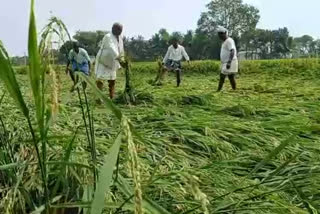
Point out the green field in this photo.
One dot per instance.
(254, 150)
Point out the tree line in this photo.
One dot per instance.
(202, 43)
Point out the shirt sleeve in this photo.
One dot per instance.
(167, 55)
(86, 55)
(70, 55)
(184, 53)
(121, 47)
(106, 42)
(230, 45)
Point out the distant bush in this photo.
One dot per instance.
(24, 69)
(21, 69)
(283, 66)
(305, 67)
(206, 66)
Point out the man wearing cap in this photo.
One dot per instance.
(229, 59)
(108, 59)
(80, 61)
(173, 58)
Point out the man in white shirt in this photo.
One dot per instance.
(173, 58)
(108, 58)
(80, 61)
(229, 60)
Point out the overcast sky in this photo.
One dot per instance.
(145, 17)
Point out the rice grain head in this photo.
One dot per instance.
(192, 183)
(134, 166)
(54, 93)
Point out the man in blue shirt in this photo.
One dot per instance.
(80, 61)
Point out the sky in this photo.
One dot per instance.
(144, 17)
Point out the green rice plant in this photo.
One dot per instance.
(188, 147)
(43, 113)
(9, 79)
(111, 160)
(128, 96)
(161, 73)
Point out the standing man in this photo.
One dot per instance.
(173, 58)
(108, 58)
(229, 60)
(80, 61)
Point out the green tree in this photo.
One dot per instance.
(237, 17)
(234, 15)
(159, 43)
(90, 40)
(281, 39)
(177, 35)
(303, 45)
(138, 49)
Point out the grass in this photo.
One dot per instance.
(202, 151)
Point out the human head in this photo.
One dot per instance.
(117, 29)
(75, 47)
(175, 42)
(222, 33)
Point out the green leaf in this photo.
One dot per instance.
(272, 154)
(105, 178)
(9, 166)
(308, 205)
(87, 196)
(68, 163)
(7, 75)
(35, 73)
(109, 104)
(41, 209)
(281, 167)
(149, 206)
(84, 205)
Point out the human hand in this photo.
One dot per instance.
(228, 65)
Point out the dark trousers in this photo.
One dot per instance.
(178, 75)
(231, 79)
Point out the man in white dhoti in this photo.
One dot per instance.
(229, 60)
(108, 58)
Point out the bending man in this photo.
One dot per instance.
(107, 61)
(80, 61)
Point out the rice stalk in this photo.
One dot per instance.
(57, 28)
(105, 178)
(92, 135)
(55, 84)
(129, 96)
(161, 72)
(192, 184)
(54, 93)
(134, 166)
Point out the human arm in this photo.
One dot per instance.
(166, 57)
(87, 58)
(185, 55)
(232, 52)
(231, 46)
(69, 58)
(89, 64)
